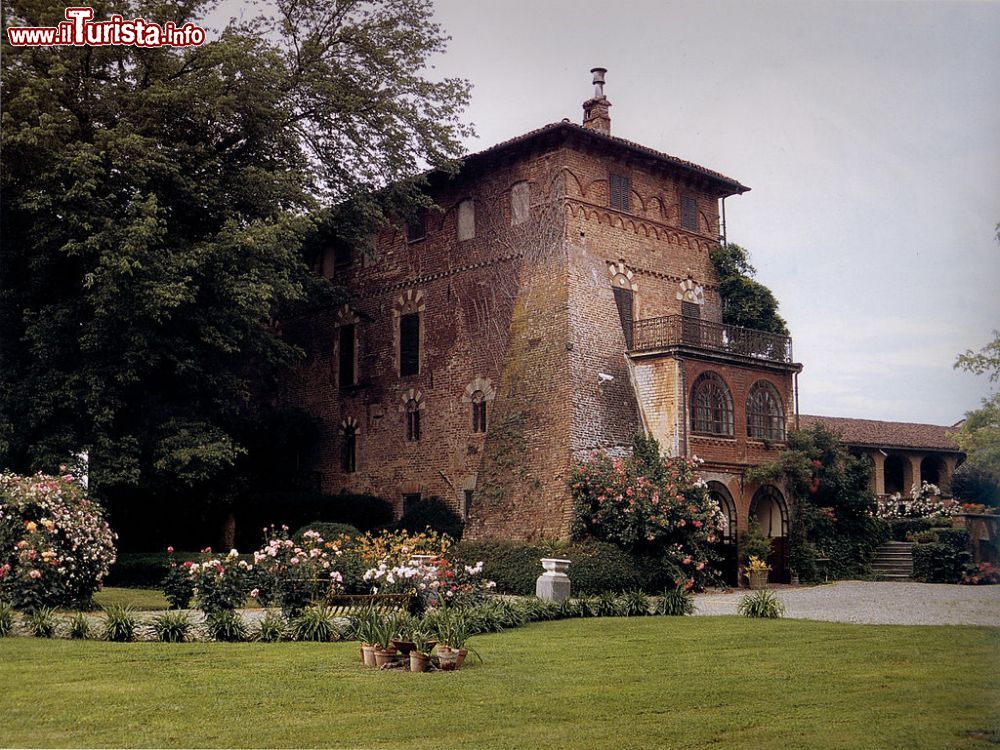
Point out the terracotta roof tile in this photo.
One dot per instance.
(872, 432)
(571, 127)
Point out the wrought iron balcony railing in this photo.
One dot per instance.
(679, 330)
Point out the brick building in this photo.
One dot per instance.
(560, 300)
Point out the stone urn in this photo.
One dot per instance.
(553, 585)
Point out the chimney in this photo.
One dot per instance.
(595, 111)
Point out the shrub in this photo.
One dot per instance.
(675, 602)
(595, 567)
(55, 546)
(42, 622)
(957, 539)
(327, 530)
(633, 604)
(939, 563)
(432, 513)
(981, 575)
(220, 582)
(226, 625)
(648, 503)
(297, 574)
(270, 629)
(6, 619)
(315, 624)
(514, 567)
(140, 569)
(172, 627)
(178, 583)
(119, 623)
(762, 603)
(79, 627)
(899, 528)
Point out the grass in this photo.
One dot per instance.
(142, 600)
(139, 599)
(717, 682)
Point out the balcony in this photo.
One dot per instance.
(653, 334)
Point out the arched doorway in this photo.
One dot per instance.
(932, 470)
(894, 471)
(726, 545)
(769, 510)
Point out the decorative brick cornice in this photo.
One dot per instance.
(639, 224)
(378, 291)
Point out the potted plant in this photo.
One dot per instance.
(757, 571)
(420, 654)
(756, 546)
(453, 632)
(382, 633)
(403, 640)
(364, 630)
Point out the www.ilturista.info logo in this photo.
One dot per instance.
(79, 31)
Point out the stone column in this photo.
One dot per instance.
(915, 459)
(878, 474)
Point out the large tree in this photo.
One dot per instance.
(156, 206)
(979, 433)
(745, 301)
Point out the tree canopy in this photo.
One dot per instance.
(156, 206)
(745, 301)
(979, 433)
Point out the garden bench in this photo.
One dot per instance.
(344, 604)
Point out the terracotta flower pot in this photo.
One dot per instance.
(758, 579)
(368, 654)
(419, 662)
(448, 658)
(462, 653)
(385, 658)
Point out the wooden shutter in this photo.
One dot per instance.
(689, 213)
(620, 189)
(409, 344)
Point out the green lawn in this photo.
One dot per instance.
(140, 599)
(696, 682)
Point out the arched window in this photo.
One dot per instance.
(412, 420)
(348, 446)
(765, 414)
(711, 406)
(478, 411)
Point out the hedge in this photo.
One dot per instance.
(939, 563)
(900, 527)
(595, 567)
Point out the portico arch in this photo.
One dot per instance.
(770, 511)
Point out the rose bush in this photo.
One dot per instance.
(649, 504)
(55, 544)
(296, 574)
(221, 582)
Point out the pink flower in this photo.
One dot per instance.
(699, 566)
(170, 550)
(35, 574)
(697, 524)
(682, 522)
(687, 561)
(255, 593)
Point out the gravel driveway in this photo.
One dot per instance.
(879, 603)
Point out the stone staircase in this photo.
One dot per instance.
(893, 561)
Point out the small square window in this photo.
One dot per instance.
(621, 187)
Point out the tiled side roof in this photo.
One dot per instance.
(872, 432)
(570, 127)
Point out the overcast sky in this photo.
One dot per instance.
(868, 132)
